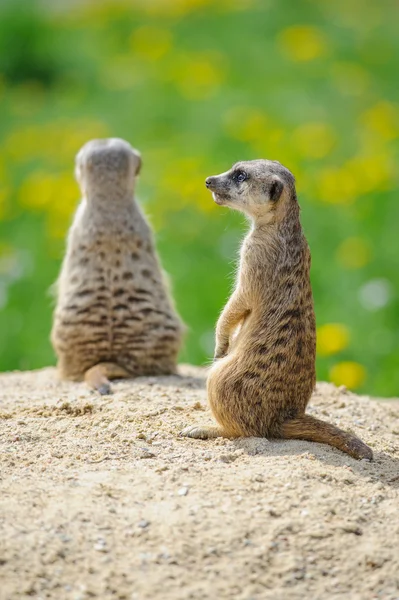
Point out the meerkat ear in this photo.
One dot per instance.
(276, 189)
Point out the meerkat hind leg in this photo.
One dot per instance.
(97, 377)
(206, 432)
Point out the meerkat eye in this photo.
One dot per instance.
(241, 176)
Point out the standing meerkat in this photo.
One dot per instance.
(264, 372)
(114, 317)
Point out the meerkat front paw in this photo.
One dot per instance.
(193, 431)
(201, 433)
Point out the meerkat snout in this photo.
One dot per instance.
(107, 162)
(208, 182)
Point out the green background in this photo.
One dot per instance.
(196, 85)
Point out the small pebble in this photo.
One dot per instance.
(146, 454)
(227, 458)
(183, 491)
(100, 546)
(143, 523)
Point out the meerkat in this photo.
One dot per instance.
(114, 317)
(264, 369)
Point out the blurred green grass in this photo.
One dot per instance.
(197, 85)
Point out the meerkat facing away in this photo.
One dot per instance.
(264, 374)
(114, 317)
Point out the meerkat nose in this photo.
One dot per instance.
(208, 182)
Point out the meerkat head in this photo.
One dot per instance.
(255, 187)
(107, 165)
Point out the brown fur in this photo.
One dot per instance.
(114, 317)
(264, 372)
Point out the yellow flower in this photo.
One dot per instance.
(302, 43)
(337, 185)
(349, 373)
(152, 43)
(374, 172)
(184, 181)
(4, 187)
(382, 119)
(55, 195)
(354, 253)
(22, 144)
(359, 175)
(38, 191)
(179, 8)
(314, 140)
(57, 141)
(332, 338)
(197, 76)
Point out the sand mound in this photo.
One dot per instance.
(100, 498)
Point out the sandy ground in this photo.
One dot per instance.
(100, 498)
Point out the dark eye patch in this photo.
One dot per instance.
(240, 176)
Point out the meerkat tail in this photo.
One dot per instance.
(315, 430)
(97, 377)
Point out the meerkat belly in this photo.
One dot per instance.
(281, 354)
(268, 375)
